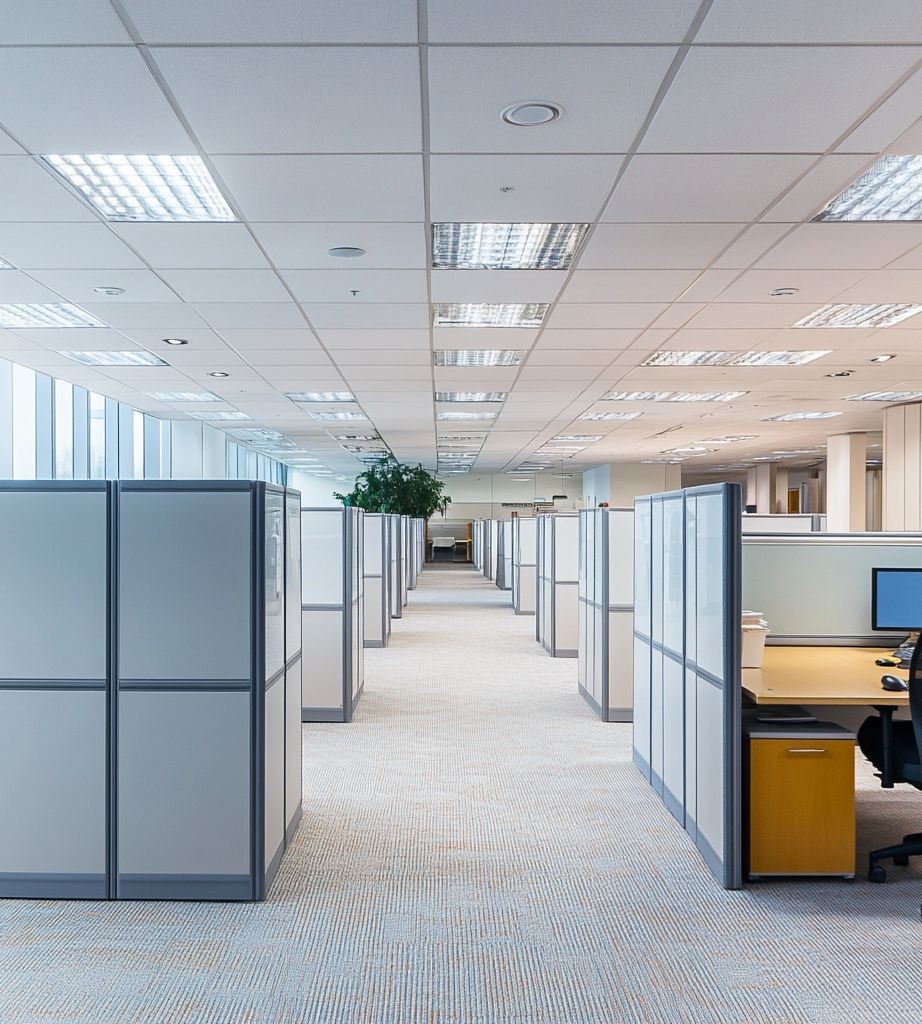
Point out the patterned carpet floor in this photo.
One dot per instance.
(478, 849)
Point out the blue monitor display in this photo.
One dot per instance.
(896, 599)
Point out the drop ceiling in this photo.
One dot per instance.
(696, 141)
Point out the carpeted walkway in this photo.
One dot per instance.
(476, 847)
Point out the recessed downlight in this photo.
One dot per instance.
(884, 357)
(531, 113)
(109, 289)
(781, 292)
(175, 341)
(346, 252)
(218, 373)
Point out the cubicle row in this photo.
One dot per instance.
(557, 593)
(161, 621)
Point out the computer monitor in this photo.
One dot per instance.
(896, 599)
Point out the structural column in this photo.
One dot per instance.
(902, 475)
(619, 483)
(846, 495)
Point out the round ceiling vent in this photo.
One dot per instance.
(531, 113)
(347, 252)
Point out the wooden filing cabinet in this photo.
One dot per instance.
(800, 792)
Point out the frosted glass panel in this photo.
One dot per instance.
(673, 574)
(567, 548)
(620, 557)
(274, 568)
(711, 589)
(642, 576)
(322, 557)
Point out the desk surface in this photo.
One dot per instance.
(822, 675)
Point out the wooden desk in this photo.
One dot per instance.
(831, 676)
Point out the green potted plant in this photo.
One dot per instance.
(390, 486)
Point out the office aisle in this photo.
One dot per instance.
(477, 848)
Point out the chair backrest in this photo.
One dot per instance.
(915, 694)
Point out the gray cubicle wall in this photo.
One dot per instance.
(524, 565)
(397, 564)
(490, 548)
(687, 676)
(331, 613)
(504, 554)
(606, 611)
(557, 607)
(376, 574)
(799, 522)
(200, 715)
(415, 550)
(293, 660)
(54, 688)
(815, 589)
(477, 535)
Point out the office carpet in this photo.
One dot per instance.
(476, 847)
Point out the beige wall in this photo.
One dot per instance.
(902, 470)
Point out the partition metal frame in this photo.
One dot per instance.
(349, 607)
(477, 535)
(687, 674)
(547, 610)
(524, 572)
(376, 582)
(293, 661)
(504, 554)
(397, 563)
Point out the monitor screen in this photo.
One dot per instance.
(896, 599)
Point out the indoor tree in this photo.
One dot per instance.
(390, 486)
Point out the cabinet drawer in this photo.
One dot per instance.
(802, 806)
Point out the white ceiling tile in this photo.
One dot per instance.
(383, 372)
(627, 285)
(30, 193)
(539, 188)
(64, 246)
(275, 21)
(226, 285)
(590, 357)
(372, 358)
(817, 286)
(672, 246)
(187, 246)
(823, 181)
(748, 315)
(535, 372)
(484, 337)
(17, 287)
(707, 287)
(90, 339)
(755, 241)
(890, 120)
(604, 315)
(604, 93)
(307, 245)
(341, 340)
(702, 187)
(791, 21)
(62, 21)
(394, 315)
(912, 260)
(362, 188)
(168, 316)
(247, 339)
(289, 100)
(884, 286)
(834, 245)
(752, 99)
(255, 315)
(614, 340)
(203, 343)
(286, 357)
(78, 285)
(496, 285)
(709, 341)
(371, 285)
(285, 372)
(87, 100)
(676, 315)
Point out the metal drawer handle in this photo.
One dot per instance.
(807, 750)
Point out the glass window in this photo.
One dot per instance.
(97, 437)
(137, 443)
(63, 430)
(23, 423)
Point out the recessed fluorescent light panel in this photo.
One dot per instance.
(489, 314)
(145, 188)
(674, 396)
(470, 396)
(733, 358)
(183, 396)
(857, 315)
(262, 435)
(219, 414)
(338, 416)
(320, 396)
(110, 357)
(578, 437)
(466, 416)
(599, 416)
(890, 190)
(790, 417)
(506, 246)
(478, 357)
(48, 314)
(886, 396)
(730, 438)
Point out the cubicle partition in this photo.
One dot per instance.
(331, 612)
(55, 675)
(794, 522)
(606, 611)
(397, 562)
(293, 661)
(524, 565)
(504, 554)
(416, 549)
(557, 608)
(376, 558)
(687, 677)
(477, 540)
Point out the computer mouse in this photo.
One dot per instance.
(887, 662)
(893, 683)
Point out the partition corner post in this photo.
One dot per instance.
(257, 692)
(112, 495)
(733, 855)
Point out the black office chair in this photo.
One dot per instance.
(906, 752)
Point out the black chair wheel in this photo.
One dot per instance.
(877, 874)
(901, 861)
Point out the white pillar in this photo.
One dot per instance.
(902, 476)
(781, 490)
(765, 487)
(845, 483)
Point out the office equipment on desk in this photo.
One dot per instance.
(893, 684)
(896, 600)
(755, 631)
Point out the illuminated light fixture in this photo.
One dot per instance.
(890, 190)
(320, 396)
(599, 416)
(462, 437)
(730, 438)
(790, 417)
(182, 396)
(144, 188)
(531, 113)
(357, 437)
(667, 459)
(489, 314)
(783, 292)
(109, 289)
(885, 358)
(219, 414)
(477, 357)
(578, 437)
(674, 396)
(338, 416)
(175, 341)
(218, 373)
(45, 314)
(110, 357)
(506, 246)
(443, 416)
(346, 252)
(470, 396)
(637, 396)
(261, 435)
(858, 315)
(886, 396)
(682, 358)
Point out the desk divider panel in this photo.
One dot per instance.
(687, 677)
(504, 554)
(376, 573)
(477, 544)
(606, 611)
(55, 593)
(557, 609)
(792, 522)
(293, 660)
(524, 565)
